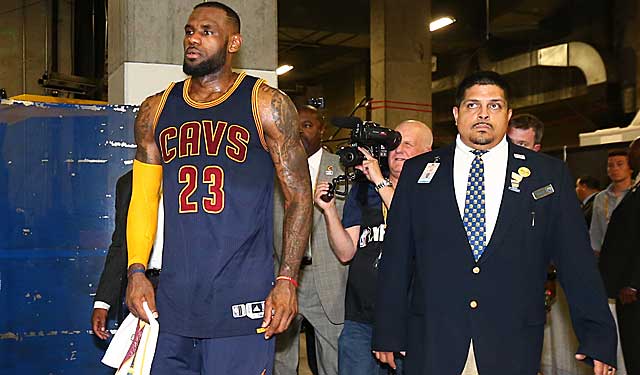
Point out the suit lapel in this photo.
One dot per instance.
(448, 197)
(510, 205)
(326, 164)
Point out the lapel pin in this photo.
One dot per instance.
(516, 177)
(329, 171)
(519, 156)
(524, 172)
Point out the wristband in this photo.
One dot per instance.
(137, 270)
(289, 279)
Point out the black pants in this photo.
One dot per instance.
(629, 322)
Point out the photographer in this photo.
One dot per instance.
(358, 238)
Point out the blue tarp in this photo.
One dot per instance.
(58, 168)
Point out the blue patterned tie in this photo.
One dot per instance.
(474, 213)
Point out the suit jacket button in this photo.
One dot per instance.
(473, 304)
(476, 270)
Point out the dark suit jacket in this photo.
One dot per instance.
(620, 254)
(426, 248)
(113, 281)
(587, 210)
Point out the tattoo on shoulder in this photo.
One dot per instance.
(284, 116)
(143, 128)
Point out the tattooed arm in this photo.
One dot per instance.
(147, 151)
(143, 209)
(280, 122)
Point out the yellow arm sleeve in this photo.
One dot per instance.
(142, 220)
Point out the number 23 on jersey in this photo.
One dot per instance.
(212, 177)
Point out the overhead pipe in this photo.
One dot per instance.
(573, 54)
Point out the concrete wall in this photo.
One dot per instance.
(25, 43)
(148, 34)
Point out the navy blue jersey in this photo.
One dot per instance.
(217, 264)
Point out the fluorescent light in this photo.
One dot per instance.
(283, 69)
(440, 23)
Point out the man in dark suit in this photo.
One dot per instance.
(470, 233)
(113, 281)
(586, 188)
(620, 266)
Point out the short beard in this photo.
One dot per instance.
(481, 139)
(212, 65)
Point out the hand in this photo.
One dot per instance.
(139, 290)
(387, 357)
(280, 307)
(321, 189)
(599, 368)
(628, 295)
(99, 323)
(370, 167)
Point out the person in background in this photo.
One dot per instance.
(526, 130)
(619, 171)
(323, 278)
(358, 239)
(113, 280)
(586, 189)
(620, 266)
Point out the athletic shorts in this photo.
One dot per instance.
(238, 355)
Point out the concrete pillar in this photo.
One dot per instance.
(25, 44)
(145, 44)
(400, 60)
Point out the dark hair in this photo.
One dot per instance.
(482, 78)
(313, 110)
(231, 14)
(528, 121)
(618, 152)
(590, 181)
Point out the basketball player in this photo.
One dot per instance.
(213, 143)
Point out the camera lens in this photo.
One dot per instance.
(350, 156)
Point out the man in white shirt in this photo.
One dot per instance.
(323, 277)
(471, 231)
(620, 172)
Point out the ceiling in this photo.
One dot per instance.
(319, 38)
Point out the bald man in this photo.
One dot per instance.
(358, 239)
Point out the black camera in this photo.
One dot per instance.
(367, 134)
(316, 102)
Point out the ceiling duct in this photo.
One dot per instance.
(612, 135)
(573, 54)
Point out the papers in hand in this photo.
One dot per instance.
(132, 348)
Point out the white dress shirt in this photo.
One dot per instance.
(495, 170)
(314, 166)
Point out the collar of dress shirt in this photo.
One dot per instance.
(314, 164)
(589, 197)
(502, 146)
(609, 191)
